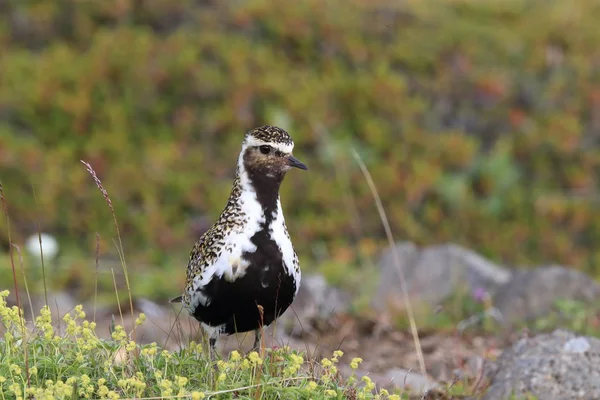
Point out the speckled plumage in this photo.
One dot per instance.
(243, 272)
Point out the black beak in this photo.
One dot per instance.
(294, 162)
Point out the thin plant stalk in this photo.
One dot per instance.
(396, 258)
(14, 272)
(120, 242)
(23, 318)
(39, 232)
(117, 294)
(96, 277)
(25, 280)
(12, 259)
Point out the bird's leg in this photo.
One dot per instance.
(258, 331)
(212, 349)
(212, 343)
(257, 335)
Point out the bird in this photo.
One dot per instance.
(243, 272)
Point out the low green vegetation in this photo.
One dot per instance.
(38, 362)
(464, 314)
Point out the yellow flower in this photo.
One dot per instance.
(140, 319)
(165, 383)
(369, 384)
(235, 356)
(255, 358)
(102, 390)
(222, 377)
(182, 381)
(245, 364)
(355, 362)
(222, 365)
(326, 362)
(197, 395)
(338, 353)
(330, 393)
(2, 379)
(312, 385)
(394, 397)
(85, 380)
(296, 359)
(113, 395)
(15, 369)
(130, 346)
(79, 313)
(150, 351)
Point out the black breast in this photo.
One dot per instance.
(265, 284)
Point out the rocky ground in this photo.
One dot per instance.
(557, 365)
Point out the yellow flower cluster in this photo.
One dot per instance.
(384, 394)
(77, 329)
(133, 387)
(140, 319)
(293, 366)
(195, 347)
(329, 368)
(235, 356)
(44, 323)
(119, 335)
(355, 362)
(58, 389)
(150, 351)
(255, 359)
(11, 317)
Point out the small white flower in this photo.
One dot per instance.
(49, 245)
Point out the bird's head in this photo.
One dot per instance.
(267, 153)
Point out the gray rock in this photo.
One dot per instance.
(547, 366)
(434, 273)
(399, 378)
(394, 379)
(59, 303)
(315, 305)
(533, 293)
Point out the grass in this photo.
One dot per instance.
(70, 361)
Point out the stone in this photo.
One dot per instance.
(315, 305)
(434, 273)
(416, 383)
(557, 365)
(532, 294)
(60, 303)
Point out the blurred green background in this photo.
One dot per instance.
(480, 122)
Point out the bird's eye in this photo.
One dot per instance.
(265, 149)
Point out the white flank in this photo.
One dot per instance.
(213, 332)
(280, 236)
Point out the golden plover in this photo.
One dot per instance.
(243, 273)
